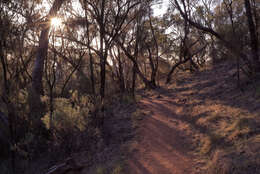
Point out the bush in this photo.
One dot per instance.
(67, 118)
(73, 124)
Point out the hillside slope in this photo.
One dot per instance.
(201, 123)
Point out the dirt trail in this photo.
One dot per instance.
(162, 147)
(169, 134)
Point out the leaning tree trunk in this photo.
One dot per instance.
(138, 71)
(39, 62)
(36, 106)
(42, 50)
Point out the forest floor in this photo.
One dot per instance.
(201, 123)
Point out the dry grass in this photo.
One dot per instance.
(225, 122)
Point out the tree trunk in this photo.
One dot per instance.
(36, 106)
(92, 77)
(43, 49)
(91, 63)
(156, 64)
(39, 62)
(102, 77)
(121, 73)
(102, 55)
(253, 37)
(133, 81)
(187, 57)
(152, 66)
(143, 78)
(10, 108)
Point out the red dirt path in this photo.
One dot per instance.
(161, 147)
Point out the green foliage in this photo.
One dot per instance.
(257, 91)
(72, 123)
(129, 99)
(101, 170)
(137, 115)
(118, 169)
(23, 144)
(67, 116)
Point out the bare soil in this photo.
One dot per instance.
(188, 123)
(200, 123)
(161, 146)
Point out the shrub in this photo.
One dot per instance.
(71, 121)
(66, 118)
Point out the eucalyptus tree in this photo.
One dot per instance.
(137, 41)
(37, 89)
(43, 49)
(190, 45)
(121, 67)
(253, 67)
(152, 44)
(111, 19)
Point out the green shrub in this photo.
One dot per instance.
(67, 117)
(101, 170)
(118, 169)
(71, 121)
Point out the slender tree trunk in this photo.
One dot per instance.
(187, 57)
(133, 81)
(5, 81)
(91, 62)
(121, 73)
(102, 53)
(10, 108)
(253, 36)
(103, 72)
(153, 73)
(156, 64)
(102, 56)
(132, 58)
(230, 12)
(92, 77)
(51, 108)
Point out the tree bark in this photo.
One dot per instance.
(121, 73)
(155, 65)
(253, 37)
(133, 81)
(91, 62)
(36, 106)
(43, 49)
(132, 58)
(180, 63)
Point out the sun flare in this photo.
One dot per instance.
(56, 22)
